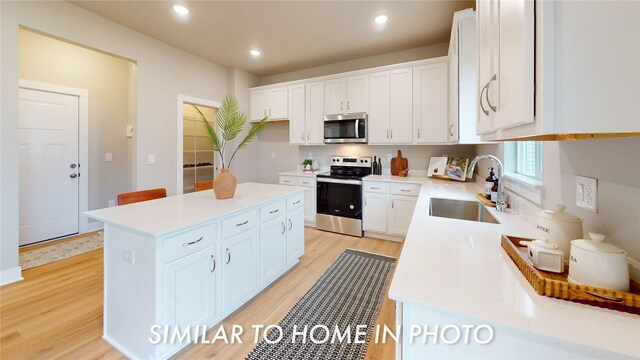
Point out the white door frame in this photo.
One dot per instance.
(83, 143)
(179, 121)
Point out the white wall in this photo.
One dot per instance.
(425, 52)
(614, 162)
(162, 72)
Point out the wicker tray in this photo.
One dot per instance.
(556, 285)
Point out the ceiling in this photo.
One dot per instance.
(291, 35)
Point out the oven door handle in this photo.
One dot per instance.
(340, 181)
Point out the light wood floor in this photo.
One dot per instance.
(56, 311)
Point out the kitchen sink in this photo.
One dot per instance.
(460, 209)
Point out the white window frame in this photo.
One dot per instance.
(525, 184)
(521, 159)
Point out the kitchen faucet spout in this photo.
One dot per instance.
(500, 202)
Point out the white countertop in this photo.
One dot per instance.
(460, 266)
(161, 216)
(398, 179)
(300, 173)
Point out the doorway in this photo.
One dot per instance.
(52, 189)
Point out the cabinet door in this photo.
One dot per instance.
(335, 94)
(310, 205)
(277, 100)
(401, 213)
(466, 116)
(379, 108)
(315, 113)
(515, 80)
(401, 106)
(257, 105)
(295, 235)
(430, 103)
(452, 130)
(375, 212)
(297, 132)
(357, 94)
(273, 242)
(239, 270)
(190, 289)
(487, 40)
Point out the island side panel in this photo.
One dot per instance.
(129, 291)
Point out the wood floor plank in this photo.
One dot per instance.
(56, 311)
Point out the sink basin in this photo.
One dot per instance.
(460, 209)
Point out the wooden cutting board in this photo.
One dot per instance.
(398, 164)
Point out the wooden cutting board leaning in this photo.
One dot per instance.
(399, 165)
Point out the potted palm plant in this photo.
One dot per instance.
(231, 123)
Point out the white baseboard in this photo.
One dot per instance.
(10, 275)
(380, 236)
(94, 226)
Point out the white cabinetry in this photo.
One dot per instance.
(297, 116)
(270, 102)
(388, 207)
(309, 183)
(295, 234)
(273, 242)
(239, 271)
(390, 109)
(346, 95)
(430, 113)
(463, 79)
(306, 111)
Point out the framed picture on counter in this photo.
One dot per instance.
(457, 168)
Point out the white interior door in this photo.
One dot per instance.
(49, 172)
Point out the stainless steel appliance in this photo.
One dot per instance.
(339, 195)
(347, 128)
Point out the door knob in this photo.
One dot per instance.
(73, 176)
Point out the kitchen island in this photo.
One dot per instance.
(455, 272)
(191, 260)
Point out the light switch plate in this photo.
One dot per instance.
(108, 157)
(129, 131)
(151, 159)
(129, 256)
(587, 193)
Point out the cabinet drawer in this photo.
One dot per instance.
(294, 202)
(306, 182)
(188, 242)
(271, 211)
(287, 180)
(376, 187)
(239, 223)
(405, 189)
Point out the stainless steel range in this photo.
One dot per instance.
(339, 195)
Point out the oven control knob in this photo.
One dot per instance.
(351, 207)
(366, 161)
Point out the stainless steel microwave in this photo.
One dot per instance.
(347, 128)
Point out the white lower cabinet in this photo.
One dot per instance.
(309, 183)
(388, 207)
(190, 288)
(239, 270)
(295, 235)
(273, 242)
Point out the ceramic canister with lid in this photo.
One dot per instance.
(597, 263)
(560, 227)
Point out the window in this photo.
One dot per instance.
(529, 159)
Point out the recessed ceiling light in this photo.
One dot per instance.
(180, 10)
(381, 19)
(254, 52)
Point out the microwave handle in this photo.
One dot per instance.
(357, 135)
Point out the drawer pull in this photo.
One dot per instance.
(375, 188)
(296, 202)
(273, 211)
(244, 223)
(192, 242)
(213, 263)
(405, 190)
(228, 257)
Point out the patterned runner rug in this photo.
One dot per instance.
(348, 294)
(67, 249)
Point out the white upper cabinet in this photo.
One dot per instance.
(297, 116)
(268, 102)
(379, 109)
(346, 95)
(401, 118)
(314, 113)
(430, 107)
(463, 70)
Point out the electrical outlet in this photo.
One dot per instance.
(151, 159)
(389, 157)
(310, 156)
(111, 203)
(129, 256)
(273, 154)
(108, 157)
(129, 131)
(587, 193)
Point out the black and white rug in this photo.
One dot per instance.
(326, 319)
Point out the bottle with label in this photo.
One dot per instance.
(379, 166)
(488, 184)
(494, 191)
(375, 166)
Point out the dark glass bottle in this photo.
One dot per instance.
(488, 184)
(379, 166)
(375, 166)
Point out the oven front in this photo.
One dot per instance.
(339, 206)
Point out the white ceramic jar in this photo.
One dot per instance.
(560, 227)
(596, 263)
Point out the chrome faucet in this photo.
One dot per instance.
(500, 202)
